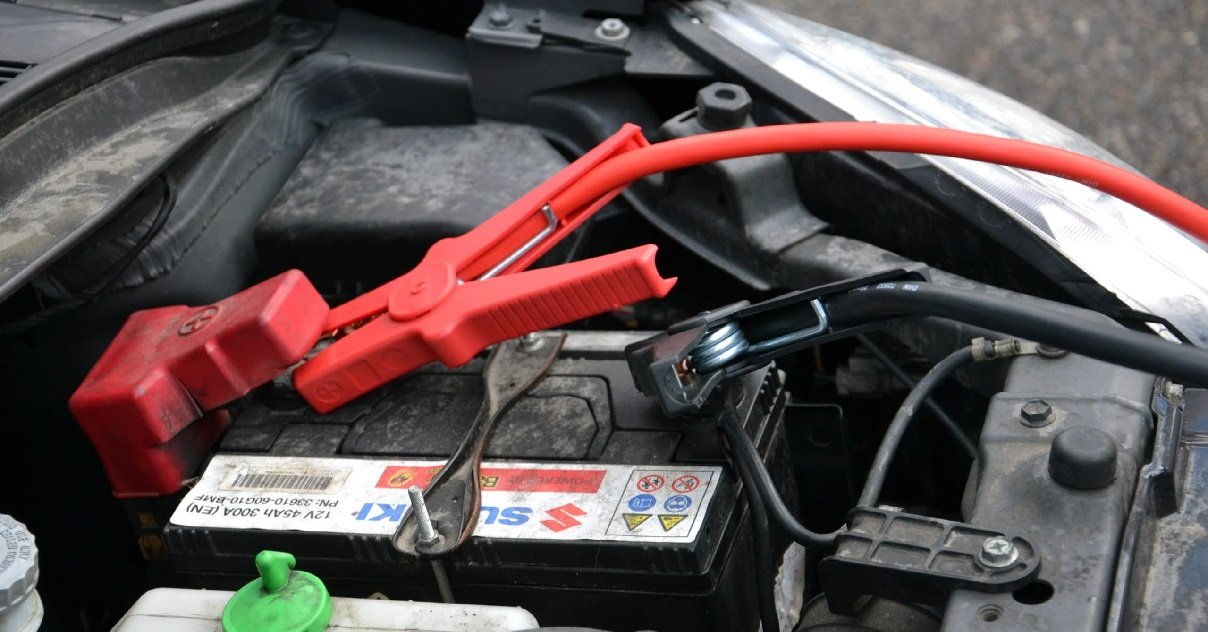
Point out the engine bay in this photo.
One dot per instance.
(1035, 489)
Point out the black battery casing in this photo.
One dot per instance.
(586, 410)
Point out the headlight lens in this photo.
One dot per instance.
(1149, 265)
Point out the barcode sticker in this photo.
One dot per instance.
(268, 480)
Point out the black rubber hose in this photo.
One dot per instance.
(743, 448)
(1072, 329)
(901, 421)
(942, 415)
(765, 565)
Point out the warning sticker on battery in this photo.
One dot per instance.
(519, 500)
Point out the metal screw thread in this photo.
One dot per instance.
(422, 519)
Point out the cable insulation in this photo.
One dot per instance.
(743, 448)
(1070, 328)
(942, 415)
(765, 565)
(678, 153)
(901, 420)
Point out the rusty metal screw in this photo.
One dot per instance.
(1036, 413)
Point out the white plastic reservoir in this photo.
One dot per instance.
(181, 610)
(20, 606)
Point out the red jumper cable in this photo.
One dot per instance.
(152, 403)
(1133, 188)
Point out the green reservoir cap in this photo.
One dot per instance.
(282, 600)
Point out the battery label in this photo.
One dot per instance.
(519, 500)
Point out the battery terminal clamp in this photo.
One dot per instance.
(683, 366)
(169, 367)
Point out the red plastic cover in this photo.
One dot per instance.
(140, 402)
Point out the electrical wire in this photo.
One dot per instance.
(901, 420)
(898, 372)
(744, 449)
(1133, 188)
(1073, 329)
(765, 566)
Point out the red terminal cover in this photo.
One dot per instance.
(142, 404)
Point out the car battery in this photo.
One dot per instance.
(597, 510)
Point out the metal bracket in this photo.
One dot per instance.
(523, 26)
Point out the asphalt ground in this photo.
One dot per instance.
(1132, 75)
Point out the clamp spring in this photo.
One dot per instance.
(728, 343)
(719, 347)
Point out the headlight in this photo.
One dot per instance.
(1149, 265)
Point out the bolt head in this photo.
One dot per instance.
(1036, 413)
(723, 106)
(499, 18)
(997, 552)
(427, 545)
(612, 29)
(530, 341)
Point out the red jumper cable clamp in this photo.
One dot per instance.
(169, 367)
